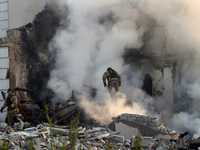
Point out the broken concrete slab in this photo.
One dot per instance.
(117, 138)
(146, 142)
(26, 134)
(22, 144)
(127, 131)
(148, 126)
(102, 136)
(97, 137)
(98, 129)
(56, 131)
(162, 146)
(17, 148)
(30, 129)
(18, 126)
(27, 124)
(162, 136)
(94, 143)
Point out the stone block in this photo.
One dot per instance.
(117, 138)
(103, 136)
(22, 144)
(162, 146)
(122, 117)
(27, 124)
(11, 144)
(13, 139)
(17, 148)
(131, 119)
(153, 124)
(146, 142)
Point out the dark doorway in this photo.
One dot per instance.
(147, 84)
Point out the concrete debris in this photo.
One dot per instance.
(99, 138)
(18, 126)
(162, 147)
(117, 138)
(148, 126)
(57, 131)
(146, 142)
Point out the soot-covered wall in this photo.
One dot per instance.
(29, 60)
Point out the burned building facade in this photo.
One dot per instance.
(29, 40)
(29, 62)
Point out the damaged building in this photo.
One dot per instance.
(25, 65)
(14, 71)
(26, 61)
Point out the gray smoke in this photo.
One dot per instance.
(95, 39)
(98, 33)
(181, 17)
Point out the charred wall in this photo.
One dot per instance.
(29, 60)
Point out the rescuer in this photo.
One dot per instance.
(12, 109)
(113, 78)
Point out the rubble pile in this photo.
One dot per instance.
(148, 126)
(96, 138)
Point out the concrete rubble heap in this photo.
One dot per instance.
(148, 126)
(97, 137)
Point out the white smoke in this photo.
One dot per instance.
(114, 106)
(181, 17)
(95, 39)
(184, 121)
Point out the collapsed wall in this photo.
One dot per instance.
(29, 60)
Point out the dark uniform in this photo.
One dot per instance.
(12, 109)
(113, 78)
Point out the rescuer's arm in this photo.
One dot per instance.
(104, 78)
(4, 106)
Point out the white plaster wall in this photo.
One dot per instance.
(168, 86)
(22, 12)
(158, 39)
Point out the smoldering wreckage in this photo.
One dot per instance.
(119, 134)
(30, 53)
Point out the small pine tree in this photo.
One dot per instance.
(137, 142)
(73, 132)
(32, 144)
(108, 146)
(4, 145)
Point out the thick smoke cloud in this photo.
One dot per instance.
(113, 106)
(181, 17)
(184, 121)
(95, 39)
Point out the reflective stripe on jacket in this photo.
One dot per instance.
(13, 110)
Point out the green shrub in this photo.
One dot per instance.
(108, 146)
(4, 146)
(73, 134)
(32, 144)
(137, 142)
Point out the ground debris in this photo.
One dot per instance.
(118, 135)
